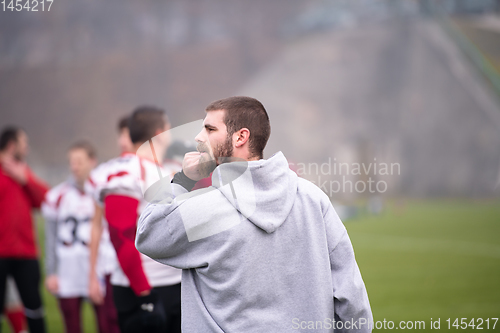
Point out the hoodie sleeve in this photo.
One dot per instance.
(176, 227)
(350, 297)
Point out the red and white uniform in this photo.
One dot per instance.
(119, 184)
(71, 210)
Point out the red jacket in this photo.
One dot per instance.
(17, 232)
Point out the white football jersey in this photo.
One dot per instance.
(72, 209)
(130, 175)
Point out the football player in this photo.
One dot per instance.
(68, 210)
(146, 293)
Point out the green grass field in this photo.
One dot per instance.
(426, 260)
(419, 260)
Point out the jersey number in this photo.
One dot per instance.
(74, 228)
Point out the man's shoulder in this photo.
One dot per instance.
(125, 164)
(311, 192)
(123, 161)
(306, 187)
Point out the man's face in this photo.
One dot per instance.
(21, 147)
(213, 142)
(124, 141)
(80, 164)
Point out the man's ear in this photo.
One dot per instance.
(241, 137)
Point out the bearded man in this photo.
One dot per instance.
(261, 249)
(20, 192)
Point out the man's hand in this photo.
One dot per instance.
(95, 292)
(191, 166)
(15, 169)
(52, 284)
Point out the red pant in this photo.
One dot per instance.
(106, 316)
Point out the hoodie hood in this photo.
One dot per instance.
(262, 191)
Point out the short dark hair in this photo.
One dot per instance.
(9, 134)
(123, 123)
(245, 112)
(85, 145)
(145, 121)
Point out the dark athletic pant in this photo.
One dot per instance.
(26, 274)
(127, 304)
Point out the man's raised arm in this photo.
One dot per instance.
(176, 228)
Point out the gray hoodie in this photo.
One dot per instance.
(262, 250)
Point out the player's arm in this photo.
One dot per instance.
(121, 214)
(95, 292)
(51, 280)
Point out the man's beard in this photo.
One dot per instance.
(221, 154)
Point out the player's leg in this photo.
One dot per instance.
(110, 313)
(100, 316)
(71, 309)
(14, 309)
(16, 319)
(171, 299)
(26, 274)
(106, 316)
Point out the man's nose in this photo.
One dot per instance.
(199, 138)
